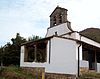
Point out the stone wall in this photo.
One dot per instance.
(59, 76)
(38, 73)
(83, 70)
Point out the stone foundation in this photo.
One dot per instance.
(59, 76)
(39, 71)
(84, 69)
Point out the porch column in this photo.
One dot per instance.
(35, 53)
(25, 53)
(95, 61)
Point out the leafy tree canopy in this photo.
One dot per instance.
(10, 53)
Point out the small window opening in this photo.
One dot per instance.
(60, 18)
(56, 33)
(54, 21)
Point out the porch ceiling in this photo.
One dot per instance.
(91, 47)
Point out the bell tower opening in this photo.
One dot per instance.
(58, 16)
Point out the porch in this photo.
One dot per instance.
(90, 57)
(35, 51)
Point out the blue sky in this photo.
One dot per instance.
(31, 17)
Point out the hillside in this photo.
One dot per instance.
(92, 33)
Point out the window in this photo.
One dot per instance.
(60, 18)
(54, 20)
(56, 33)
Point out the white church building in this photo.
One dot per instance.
(63, 50)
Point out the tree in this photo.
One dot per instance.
(15, 49)
(1, 56)
(10, 53)
(33, 38)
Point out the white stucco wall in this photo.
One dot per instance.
(22, 56)
(60, 29)
(73, 35)
(84, 63)
(77, 36)
(98, 67)
(63, 56)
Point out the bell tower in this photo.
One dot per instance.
(59, 24)
(58, 16)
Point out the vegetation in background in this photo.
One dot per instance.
(10, 53)
(33, 38)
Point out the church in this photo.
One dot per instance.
(63, 50)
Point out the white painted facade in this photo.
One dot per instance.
(64, 58)
(84, 64)
(98, 67)
(63, 51)
(60, 29)
(65, 54)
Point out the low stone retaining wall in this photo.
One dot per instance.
(59, 76)
(38, 73)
